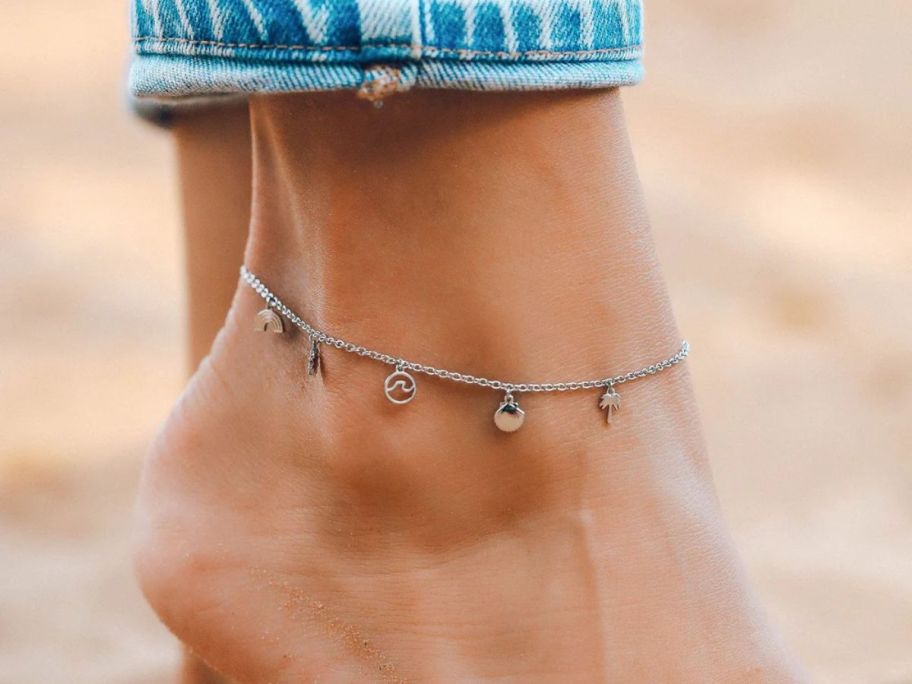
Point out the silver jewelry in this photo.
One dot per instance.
(400, 386)
(611, 402)
(509, 417)
(267, 319)
(313, 358)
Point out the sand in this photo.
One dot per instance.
(774, 141)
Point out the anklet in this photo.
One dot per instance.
(400, 386)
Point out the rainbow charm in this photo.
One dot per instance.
(269, 320)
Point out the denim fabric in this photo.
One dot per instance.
(199, 47)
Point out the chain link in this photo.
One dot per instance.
(274, 302)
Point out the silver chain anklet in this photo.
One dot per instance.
(400, 386)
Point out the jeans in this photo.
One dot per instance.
(187, 49)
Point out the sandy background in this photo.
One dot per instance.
(775, 142)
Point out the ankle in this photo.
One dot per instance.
(440, 458)
(499, 249)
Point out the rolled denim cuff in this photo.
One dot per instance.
(193, 48)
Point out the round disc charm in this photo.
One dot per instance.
(400, 387)
(509, 417)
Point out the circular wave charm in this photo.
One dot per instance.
(400, 387)
(509, 417)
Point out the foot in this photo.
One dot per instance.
(295, 528)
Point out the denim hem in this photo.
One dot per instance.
(378, 52)
(178, 76)
(198, 47)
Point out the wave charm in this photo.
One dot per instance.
(267, 319)
(400, 387)
(610, 401)
(509, 417)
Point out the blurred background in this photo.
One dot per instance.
(775, 145)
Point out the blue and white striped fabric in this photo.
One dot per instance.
(199, 47)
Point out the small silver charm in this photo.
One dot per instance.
(313, 359)
(508, 416)
(611, 402)
(267, 319)
(400, 387)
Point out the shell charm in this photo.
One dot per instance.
(313, 358)
(267, 319)
(509, 417)
(610, 401)
(400, 387)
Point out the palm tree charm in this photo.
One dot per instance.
(610, 401)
